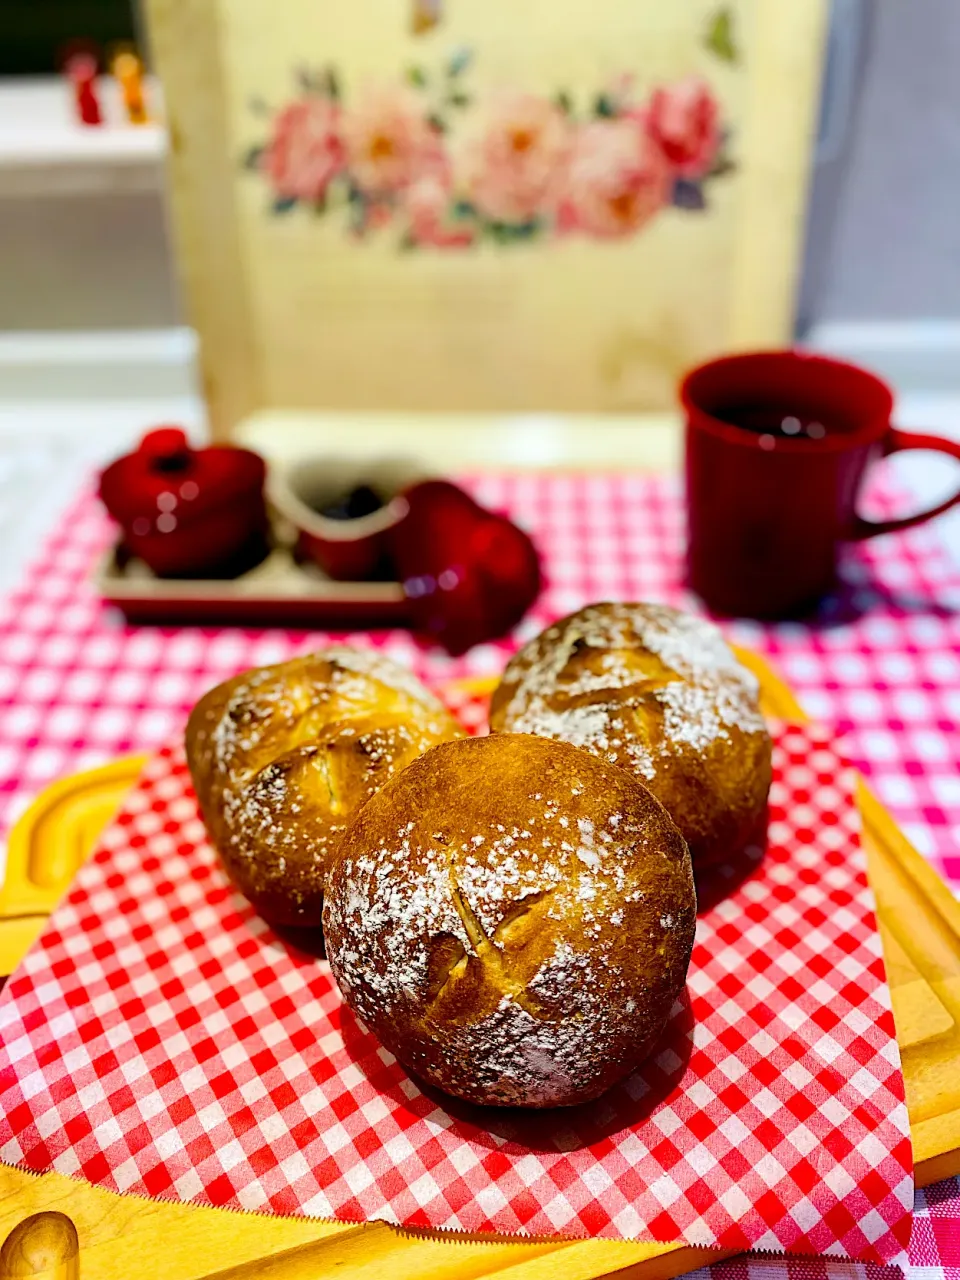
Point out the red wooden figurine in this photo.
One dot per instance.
(82, 72)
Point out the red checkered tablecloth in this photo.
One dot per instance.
(882, 665)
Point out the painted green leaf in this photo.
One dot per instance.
(524, 230)
(564, 102)
(459, 99)
(464, 209)
(358, 219)
(438, 122)
(283, 204)
(253, 157)
(722, 165)
(331, 84)
(720, 39)
(604, 106)
(417, 77)
(459, 62)
(509, 232)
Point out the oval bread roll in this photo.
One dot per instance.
(283, 756)
(513, 919)
(659, 693)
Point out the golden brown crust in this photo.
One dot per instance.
(283, 756)
(513, 918)
(659, 693)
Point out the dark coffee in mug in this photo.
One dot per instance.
(783, 421)
(777, 446)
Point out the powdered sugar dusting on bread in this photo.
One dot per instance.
(377, 666)
(599, 728)
(496, 941)
(632, 683)
(283, 755)
(696, 717)
(690, 645)
(381, 901)
(307, 692)
(524, 1060)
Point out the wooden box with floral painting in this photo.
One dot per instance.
(478, 205)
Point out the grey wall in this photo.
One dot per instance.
(884, 223)
(86, 262)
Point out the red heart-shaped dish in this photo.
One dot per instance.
(469, 575)
(188, 512)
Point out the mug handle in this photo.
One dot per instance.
(896, 442)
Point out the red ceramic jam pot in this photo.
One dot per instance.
(187, 512)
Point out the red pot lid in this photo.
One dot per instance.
(469, 575)
(165, 475)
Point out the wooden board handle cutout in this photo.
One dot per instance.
(44, 1246)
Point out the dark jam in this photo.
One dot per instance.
(359, 502)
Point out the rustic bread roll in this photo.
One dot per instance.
(283, 756)
(513, 918)
(659, 693)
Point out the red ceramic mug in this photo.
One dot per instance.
(777, 446)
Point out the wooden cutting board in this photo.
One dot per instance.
(119, 1236)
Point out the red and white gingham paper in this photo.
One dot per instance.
(161, 1039)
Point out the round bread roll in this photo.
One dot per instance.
(282, 757)
(659, 693)
(513, 919)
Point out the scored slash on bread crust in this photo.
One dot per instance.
(659, 693)
(283, 756)
(513, 918)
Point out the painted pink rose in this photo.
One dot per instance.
(378, 215)
(388, 140)
(685, 120)
(618, 178)
(305, 151)
(514, 168)
(427, 203)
